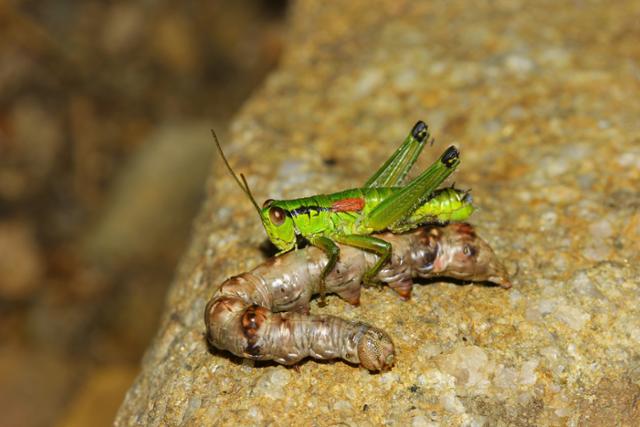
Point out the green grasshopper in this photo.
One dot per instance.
(351, 216)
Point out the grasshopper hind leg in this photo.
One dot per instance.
(395, 169)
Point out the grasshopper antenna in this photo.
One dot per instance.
(242, 184)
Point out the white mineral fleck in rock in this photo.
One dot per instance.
(528, 376)
(573, 351)
(342, 405)
(463, 74)
(405, 79)
(596, 251)
(573, 317)
(433, 378)
(555, 166)
(630, 159)
(546, 306)
(388, 379)
(525, 397)
(533, 314)
(369, 80)
(555, 57)
(255, 413)
(519, 64)
(634, 333)
(514, 297)
(470, 366)
(505, 377)
(583, 285)
(475, 421)
(551, 353)
(601, 229)
(430, 350)
(451, 403)
(422, 421)
(271, 384)
(548, 220)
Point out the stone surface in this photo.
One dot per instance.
(542, 100)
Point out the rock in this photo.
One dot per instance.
(532, 112)
(29, 148)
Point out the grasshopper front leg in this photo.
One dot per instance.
(372, 244)
(333, 252)
(396, 168)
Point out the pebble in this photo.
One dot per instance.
(470, 366)
(422, 421)
(368, 82)
(505, 377)
(556, 57)
(582, 284)
(256, 414)
(388, 379)
(451, 403)
(601, 229)
(527, 375)
(122, 27)
(629, 159)
(546, 306)
(519, 64)
(430, 350)
(596, 252)
(272, 383)
(342, 405)
(405, 79)
(548, 220)
(21, 263)
(572, 316)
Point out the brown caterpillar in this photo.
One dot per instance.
(264, 314)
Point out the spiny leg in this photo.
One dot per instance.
(333, 252)
(396, 168)
(404, 201)
(372, 244)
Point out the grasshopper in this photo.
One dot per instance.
(350, 217)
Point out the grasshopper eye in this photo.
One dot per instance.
(267, 203)
(277, 215)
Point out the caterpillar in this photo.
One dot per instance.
(264, 314)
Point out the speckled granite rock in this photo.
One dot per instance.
(542, 99)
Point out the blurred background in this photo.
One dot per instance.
(105, 111)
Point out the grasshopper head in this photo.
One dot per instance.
(278, 225)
